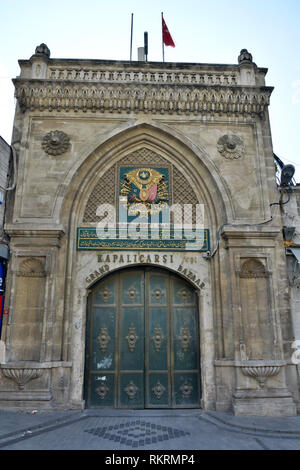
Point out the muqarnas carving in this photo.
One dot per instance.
(55, 142)
(231, 146)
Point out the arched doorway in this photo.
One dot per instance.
(142, 341)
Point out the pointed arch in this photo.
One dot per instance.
(192, 160)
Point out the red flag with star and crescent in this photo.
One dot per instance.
(167, 38)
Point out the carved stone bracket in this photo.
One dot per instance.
(22, 376)
(261, 373)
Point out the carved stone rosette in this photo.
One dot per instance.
(55, 142)
(22, 376)
(231, 146)
(261, 373)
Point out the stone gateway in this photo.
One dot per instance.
(119, 294)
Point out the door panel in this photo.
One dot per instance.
(132, 340)
(143, 342)
(157, 359)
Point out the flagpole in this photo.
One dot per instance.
(162, 37)
(131, 37)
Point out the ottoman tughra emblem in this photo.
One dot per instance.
(230, 146)
(55, 142)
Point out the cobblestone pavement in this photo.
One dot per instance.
(167, 430)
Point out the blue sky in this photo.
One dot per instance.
(208, 32)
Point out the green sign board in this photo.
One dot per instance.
(89, 239)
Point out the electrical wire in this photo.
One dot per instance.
(280, 203)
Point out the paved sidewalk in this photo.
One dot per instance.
(145, 430)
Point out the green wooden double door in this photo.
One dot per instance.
(142, 342)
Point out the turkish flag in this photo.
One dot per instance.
(167, 38)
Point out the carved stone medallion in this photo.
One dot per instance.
(102, 390)
(131, 390)
(158, 390)
(231, 146)
(103, 338)
(55, 142)
(157, 338)
(186, 389)
(184, 337)
(132, 338)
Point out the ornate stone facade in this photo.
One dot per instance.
(206, 128)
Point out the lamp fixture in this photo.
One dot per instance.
(287, 174)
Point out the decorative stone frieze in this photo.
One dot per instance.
(47, 95)
(118, 75)
(231, 146)
(55, 142)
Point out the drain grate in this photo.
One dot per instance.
(137, 433)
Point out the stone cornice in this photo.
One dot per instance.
(117, 97)
(25, 231)
(249, 231)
